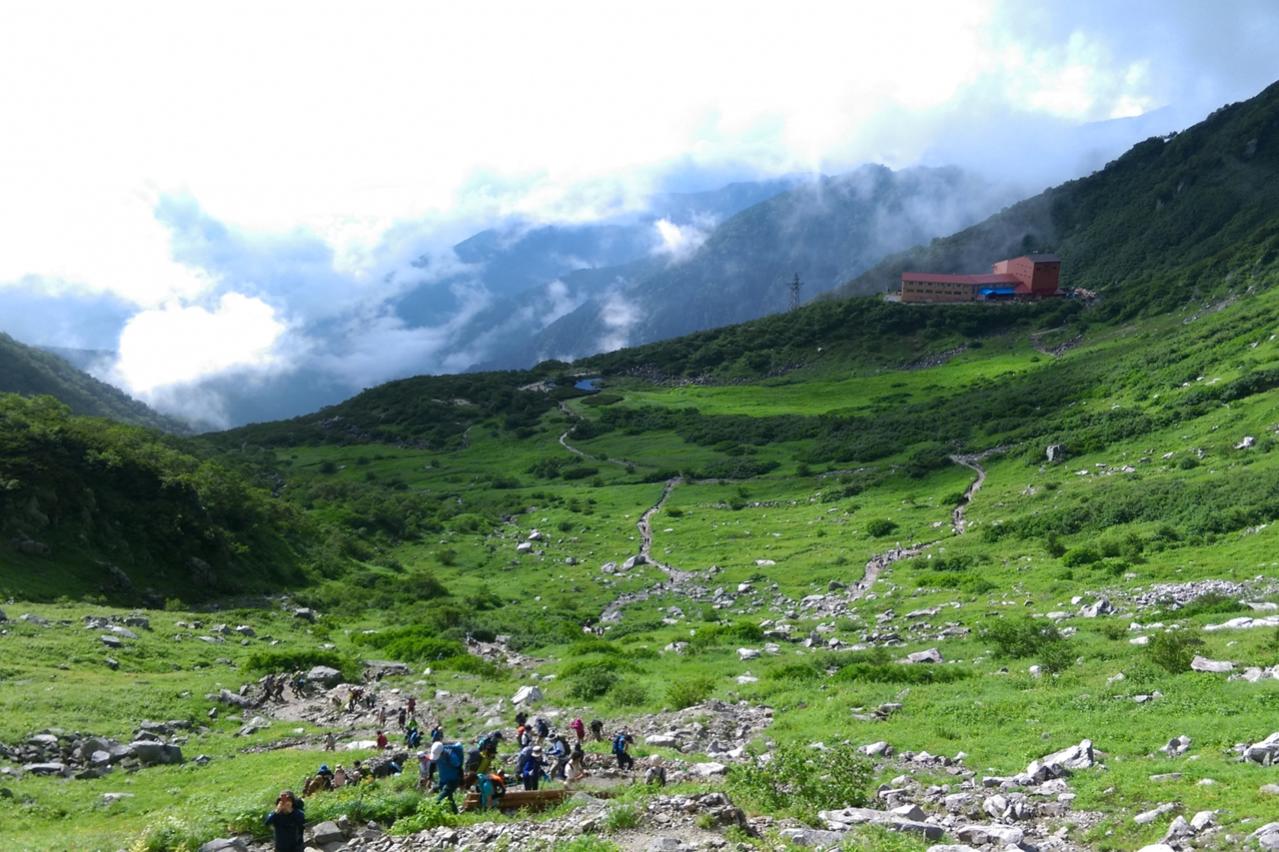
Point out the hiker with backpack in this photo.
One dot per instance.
(543, 730)
(597, 730)
(621, 742)
(287, 821)
(559, 752)
(448, 762)
(492, 787)
(576, 763)
(530, 767)
(578, 728)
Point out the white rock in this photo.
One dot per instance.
(527, 695)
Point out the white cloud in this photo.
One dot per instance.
(177, 345)
(619, 316)
(678, 242)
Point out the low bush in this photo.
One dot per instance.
(880, 527)
(1017, 638)
(276, 660)
(686, 692)
(1173, 652)
(799, 781)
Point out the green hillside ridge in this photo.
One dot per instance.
(805, 490)
(1177, 218)
(30, 371)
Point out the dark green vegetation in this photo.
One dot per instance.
(88, 507)
(30, 371)
(1187, 217)
(428, 511)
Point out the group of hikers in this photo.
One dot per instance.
(543, 754)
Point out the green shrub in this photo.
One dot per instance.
(800, 781)
(627, 694)
(428, 814)
(880, 527)
(1017, 638)
(1213, 603)
(901, 673)
(1078, 556)
(276, 660)
(1173, 651)
(688, 691)
(621, 818)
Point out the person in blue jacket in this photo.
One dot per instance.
(287, 820)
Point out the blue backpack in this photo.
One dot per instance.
(619, 744)
(450, 766)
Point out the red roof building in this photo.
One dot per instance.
(1032, 276)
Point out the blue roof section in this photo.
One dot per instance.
(997, 291)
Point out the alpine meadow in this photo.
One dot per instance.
(866, 574)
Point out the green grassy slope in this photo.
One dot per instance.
(1189, 216)
(30, 371)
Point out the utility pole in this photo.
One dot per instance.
(794, 291)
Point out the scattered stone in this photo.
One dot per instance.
(932, 655)
(150, 753)
(324, 675)
(1099, 607)
(1203, 664)
(527, 695)
(1147, 817)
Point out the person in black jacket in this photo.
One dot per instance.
(287, 820)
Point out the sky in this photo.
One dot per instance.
(201, 188)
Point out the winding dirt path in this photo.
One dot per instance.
(972, 462)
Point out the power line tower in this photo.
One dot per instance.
(794, 287)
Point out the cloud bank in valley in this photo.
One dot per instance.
(238, 193)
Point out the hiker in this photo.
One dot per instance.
(521, 718)
(559, 751)
(447, 760)
(326, 774)
(339, 778)
(530, 767)
(543, 730)
(523, 736)
(381, 716)
(299, 685)
(655, 775)
(382, 741)
(356, 774)
(287, 821)
(414, 736)
(597, 729)
(412, 705)
(402, 716)
(621, 742)
(578, 728)
(330, 742)
(437, 732)
(577, 763)
(492, 787)
(423, 771)
(268, 687)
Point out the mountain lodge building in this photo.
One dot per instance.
(1031, 276)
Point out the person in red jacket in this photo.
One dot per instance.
(382, 741)
(578, 728)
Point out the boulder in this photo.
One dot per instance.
(1062, 762)
(50, 768)
(325, 833)
(111, 641)
(151, 753)
(980, 835)
(246, 630)
(225, 844)
(524, 547)
(325, 675)
(305, 613)
(1147, 817)
(815, 838)
(1099, 607)
(661, 740)
(527, 695)
(1203, 664)
(932, 655)
(846, 818)
(707, 770)
(226, 696)
(1056, 453)
(747, 653)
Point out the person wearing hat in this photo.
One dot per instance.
(530, 767)
(326, 775)
(339, 777)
